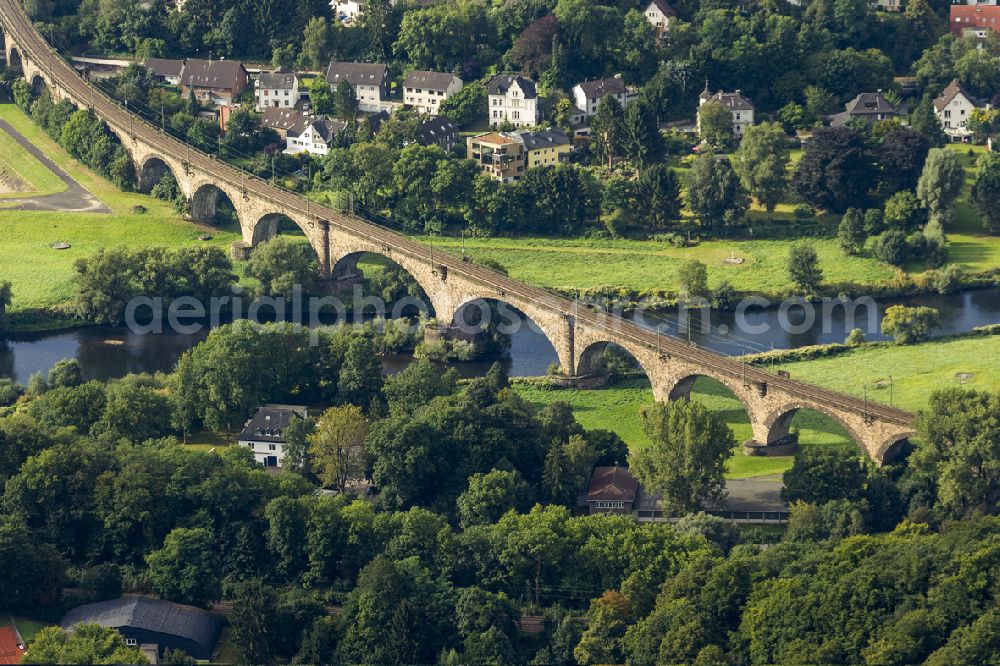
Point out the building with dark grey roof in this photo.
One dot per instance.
(439, 131)
(153, 621)
(870, 107)
(587, 95)
(370, 81)
(264, 434)
(165, 70)
(277, 89)
(424, 91)
(217, 82)
(740, 108)
(512, 100)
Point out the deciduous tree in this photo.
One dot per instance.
(686, 459)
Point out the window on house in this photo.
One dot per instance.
(131, 642)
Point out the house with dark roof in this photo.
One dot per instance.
(612, 490)
(741, 108)
(512, 99)
(439, 131)
(312, 135)
(153, 622)
(264, 434)
(277, 89)
(281, 120)
(953, 107)
(215, 82)
(660, 15)
(543, 147)
(168, 71)
(870, 107)
(424, 90)
(587, 95)
(370, 82)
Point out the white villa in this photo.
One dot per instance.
(513, 99)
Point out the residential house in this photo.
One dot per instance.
(439, 131)
(975, 19)
(215, 82)
(313, 135)
(543, 147)
(424, 91)
(264, 434)
(660, 15)
(741, 108)
(281, 120)
(348, 11)
(587, 95)
(953, 107)
(370, 82)
(168, 71)
(498, 154)
(888, 5)
(277, 89)
(152, 625)
(612, 489)
(869, 107)
(512, 99)
(507, 156)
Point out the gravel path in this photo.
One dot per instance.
(74, 200)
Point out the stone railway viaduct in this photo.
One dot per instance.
(577, 332)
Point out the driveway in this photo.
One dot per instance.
(74, 199)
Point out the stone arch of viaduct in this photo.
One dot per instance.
(577, 334)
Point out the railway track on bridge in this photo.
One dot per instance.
(33, 46)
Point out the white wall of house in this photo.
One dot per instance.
(955, 116)
(276, 98)
(369, 98)
(309, 141)
(657, 19)
(589, 104)
(268, 454)
(514, 108)
(425, 100)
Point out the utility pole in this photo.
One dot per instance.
(866, 403)
(890, 390)
(463, 244)
(163, 120)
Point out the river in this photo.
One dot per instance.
(107, 353)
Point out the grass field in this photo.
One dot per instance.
(617, 409)
(18, 161)
(916, 370)
(28, 627)
(649, 265)
(42, 277)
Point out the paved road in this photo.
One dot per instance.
(74, 199)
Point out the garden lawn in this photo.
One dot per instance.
(28, 627)
(616, 408)
(18, 161)
(916, 370)
(650, 265)
(42, 277)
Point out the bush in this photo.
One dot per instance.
(890, 247)
(948, 280)
(10, 391)
(855, 337)
(803, 212)
(907, 325)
